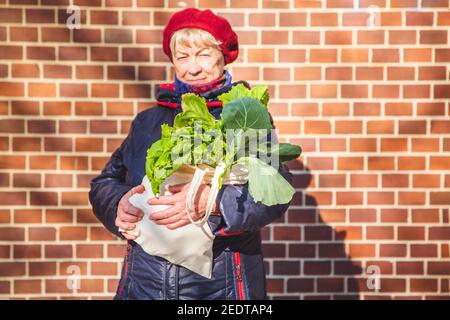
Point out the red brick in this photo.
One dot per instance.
(41, 53)
(411, 163)
(73, 53)
(402, 37)
(349, 198)
(433, 36)
(363, 180)
(26, 144)
(418, 55)
(381, 197)
(439, 163)
(369, 73)
(104, 54)
(423, 285)
(58, 251)
(398, 109)
(89, 251)
(74, 198)
(393, 250)
(57, 144)
(104, 17)
(11, 89)
(362, 250)
(27, 251)
(425, 216)
(440, 198)
(370, 37)
(424, 250)
(363, 145)
(350, 163)
(42, 234)
(56, 108)
(323, 55)
(439, 233)
(424, 144)
(355, 55)
(354, 91)
(394, 144)
(438, 267)
(12, 234)
(291, 55)
(55, 35)
(441, 91)
(426, 181)
(73, 233)
(277, 37)
(292, 19)
(348, 126)
(104, 268)
(386, 55)
(58, 180)
(87, 35)
(12, 126)
(380, 233)
(409, 267)
(27, 216)
(27, 286)
(330, 145)
(25, 70)
(314, 127)
(411, 233)
(42, 268)
(13, 198)
(72, 90)
(12, 269)
(308, 73)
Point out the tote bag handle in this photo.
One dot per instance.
(195, 185)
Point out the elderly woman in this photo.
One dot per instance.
(199, 44)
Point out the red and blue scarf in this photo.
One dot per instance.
(169, 94)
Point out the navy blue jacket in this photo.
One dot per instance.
(238, 270)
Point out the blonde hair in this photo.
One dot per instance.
(185, 37)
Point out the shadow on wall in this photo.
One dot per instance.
(306, 257)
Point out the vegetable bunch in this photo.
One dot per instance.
(242, 136)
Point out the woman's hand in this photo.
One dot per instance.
(127, 214)
(176, 216)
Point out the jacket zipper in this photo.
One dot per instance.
(237, 257)
(124, 280)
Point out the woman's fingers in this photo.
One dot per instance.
(130, 218)
(133, 211)
(164, 200)
(165, 214)
(177, 187)
(128, 236)
(138, 189)
(172, 219)
(125, 225)
(178, 224)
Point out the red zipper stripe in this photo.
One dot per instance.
(229, 234)
(237, 257)
(126, 269)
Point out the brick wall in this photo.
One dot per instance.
(362, 86)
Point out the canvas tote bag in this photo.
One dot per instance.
(189, 246)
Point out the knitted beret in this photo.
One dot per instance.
(206, 20)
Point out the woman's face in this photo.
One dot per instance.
(198, 64)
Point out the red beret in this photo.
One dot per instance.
(206, 20)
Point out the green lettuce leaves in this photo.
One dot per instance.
(197, 137)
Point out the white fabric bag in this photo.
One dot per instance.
(189, 246)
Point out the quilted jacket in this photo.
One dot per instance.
(238, 268)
